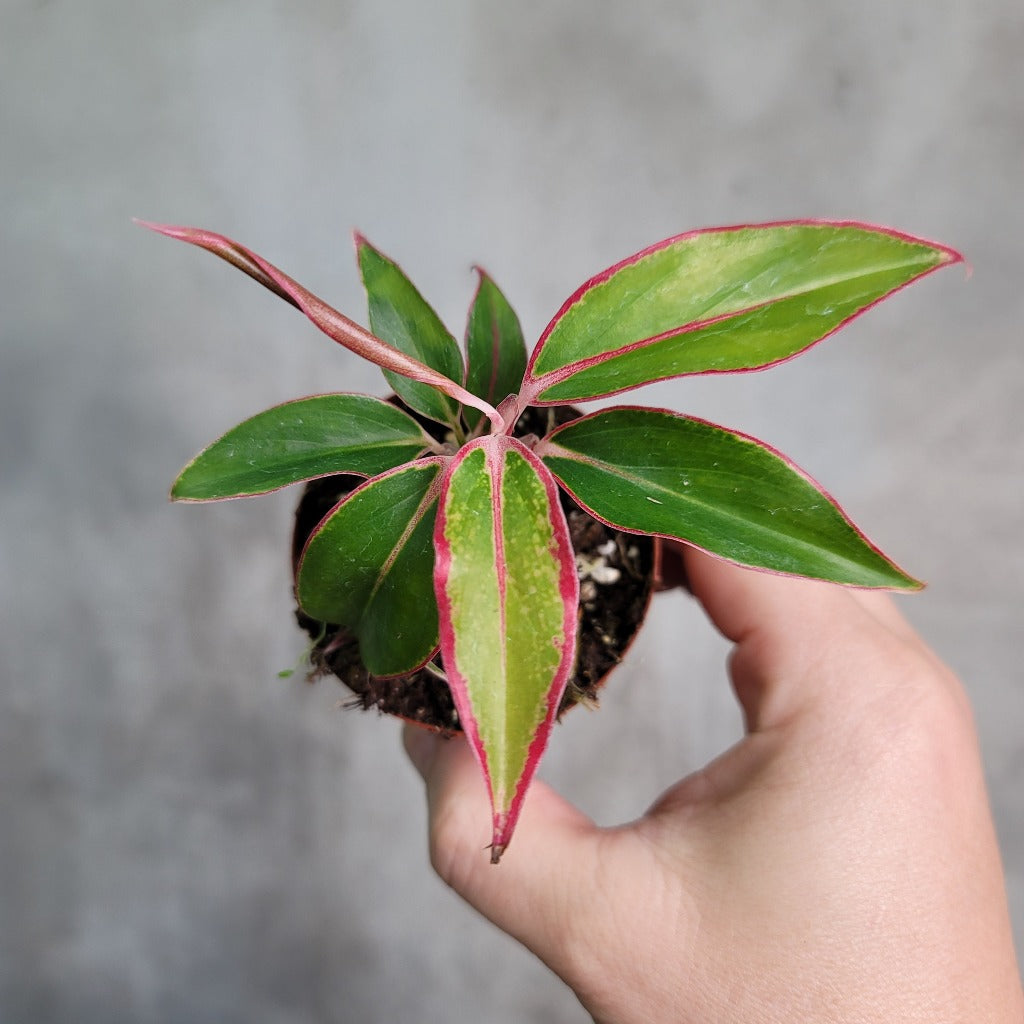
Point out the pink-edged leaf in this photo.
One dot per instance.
(334, 324)
(369, 566)
(303, 440)
(402, 317)
(657, 472)
(495, 349)
(507, 595)
(720, 300)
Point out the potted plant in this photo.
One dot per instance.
(453, 555)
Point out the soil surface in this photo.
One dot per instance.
(616, 572)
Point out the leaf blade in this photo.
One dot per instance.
(302, 440)
(402, 317)
(495, 348)
(657, 472)
(507, 595)
(721, 300)
(369, 566)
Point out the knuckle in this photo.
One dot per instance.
(453, 851)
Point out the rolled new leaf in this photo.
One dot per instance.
(369, 566)
(402, 317)
(302, 440)
(334, 324)
(718, 300)
(495, 349)
(507, 595)
(656, 472)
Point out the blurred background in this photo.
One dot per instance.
(183, 835)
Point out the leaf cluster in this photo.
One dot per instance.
(455, 549)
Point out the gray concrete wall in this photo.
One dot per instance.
(184, 836)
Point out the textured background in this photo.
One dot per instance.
(185, 837)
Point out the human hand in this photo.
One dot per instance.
(838, 864)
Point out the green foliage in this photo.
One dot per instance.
(495, 349)
(655, 472)
(370, 566)
(303, 440)
(400, 316)
(713, 301)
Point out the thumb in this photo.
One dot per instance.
(790, 633)
(742, 601)
(534, 893)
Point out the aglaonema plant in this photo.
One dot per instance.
(456, 544)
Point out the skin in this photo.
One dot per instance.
(838, 864)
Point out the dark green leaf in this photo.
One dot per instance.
(495, 349)
(369, 566)
(656, 472)
(302, 440)
(402, 317)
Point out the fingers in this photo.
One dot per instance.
(793, 636)
(533, 892)
(737, 597)
(742, 601)
(883, 608)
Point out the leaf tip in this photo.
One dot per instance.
(161, 229)
(947, 255)
(181, 494)
(968, 266)
(950, 256)
(361, 243)
(911, 586)
(504, 824)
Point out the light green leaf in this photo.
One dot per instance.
(508, 596)
(719, 300)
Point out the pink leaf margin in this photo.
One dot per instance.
(549, 441)
(495, 447)
(334, 324)
(534, 386)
